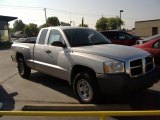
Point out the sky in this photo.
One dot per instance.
(32, 11)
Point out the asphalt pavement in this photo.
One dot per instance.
(43, 90)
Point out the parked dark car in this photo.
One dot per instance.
(153, 47)
(120, 37)
(26, 40)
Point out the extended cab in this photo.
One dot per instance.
(87, 60)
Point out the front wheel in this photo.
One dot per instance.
(85, 88)
(23, 69)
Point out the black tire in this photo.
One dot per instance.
(85, 88)
(23, 69)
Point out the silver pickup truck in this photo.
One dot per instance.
(92, 65)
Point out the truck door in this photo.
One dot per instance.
(112, 36)
(39, 59)
(127, 39)
(55, 56)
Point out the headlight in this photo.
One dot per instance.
(113, 67)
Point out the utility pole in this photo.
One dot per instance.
(120, 18)
(70, 18)
(117, 23)
(102, 15)
(82, 22)
(45, 16)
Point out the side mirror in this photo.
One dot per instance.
(59, 44)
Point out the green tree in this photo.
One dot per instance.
(102, 24)
(31, 30)
(114, 23)
(18, 26)
(84, 25)
(42, 26)
(53, 21)
(109, 23)
(11, 29)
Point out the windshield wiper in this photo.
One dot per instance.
(101, 43)
(82, 44)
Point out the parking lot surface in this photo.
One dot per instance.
(41, 89)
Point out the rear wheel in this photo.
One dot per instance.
(85, 88)
(23, 69)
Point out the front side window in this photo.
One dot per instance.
(156, 45)
(85, 37)
(54, 36)
(124, 36)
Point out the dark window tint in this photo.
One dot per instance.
(43, 36)
(85, 37)
(111, 35)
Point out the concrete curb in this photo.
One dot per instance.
(75, 107)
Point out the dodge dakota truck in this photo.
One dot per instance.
(88, 61)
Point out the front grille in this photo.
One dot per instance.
(141, 66)
(149, 59)
(136, 63)
(136, 71)
(149, 64)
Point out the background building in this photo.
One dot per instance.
(4, 28)
(147, 28)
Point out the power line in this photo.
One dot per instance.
(69, 12)
(63, 11)
(21, 6)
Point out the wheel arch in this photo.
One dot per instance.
(19, 55)
(77, 69)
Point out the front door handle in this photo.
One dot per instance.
(47, 51)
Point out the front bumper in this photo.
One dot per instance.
(114, 84)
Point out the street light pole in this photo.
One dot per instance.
(120, 18)
(45, 15)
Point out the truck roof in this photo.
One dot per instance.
(65, 27)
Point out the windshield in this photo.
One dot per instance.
(84, 37)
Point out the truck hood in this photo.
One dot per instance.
(118, 52)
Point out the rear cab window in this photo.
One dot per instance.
(43, 37)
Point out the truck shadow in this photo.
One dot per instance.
(141, 100)
(7, 101)
(56, 84)
(144, 100)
